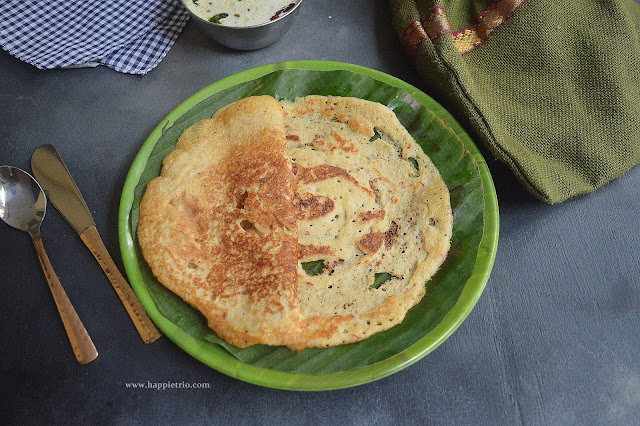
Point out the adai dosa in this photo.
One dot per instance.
(310, 223)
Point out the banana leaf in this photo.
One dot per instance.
(451, 293)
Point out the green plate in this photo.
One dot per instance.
(451, 293)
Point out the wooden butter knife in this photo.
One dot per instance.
(54, 177)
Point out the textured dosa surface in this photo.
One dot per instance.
(370, 204)
(218, 226)
(253, 196)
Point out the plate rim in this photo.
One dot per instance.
(220, 360)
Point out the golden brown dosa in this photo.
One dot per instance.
(218, 227)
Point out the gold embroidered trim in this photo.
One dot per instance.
(413, 35)
(465, 40)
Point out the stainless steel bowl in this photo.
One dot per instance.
(247, 38)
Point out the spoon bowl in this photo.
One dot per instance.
(23, 205)
(22, 201)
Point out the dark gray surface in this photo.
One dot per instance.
(554, 338)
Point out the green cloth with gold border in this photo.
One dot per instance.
(552, 89)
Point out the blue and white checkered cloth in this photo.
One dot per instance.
(130, 36)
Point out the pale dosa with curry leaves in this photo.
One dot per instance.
(374, 217)
(218, 226)
(310, 223)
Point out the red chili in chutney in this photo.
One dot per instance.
(282, 11)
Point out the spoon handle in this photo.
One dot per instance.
(81, 343)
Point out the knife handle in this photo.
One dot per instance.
(82, 345)
(148, 332)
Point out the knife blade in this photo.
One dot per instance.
(54, 177)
